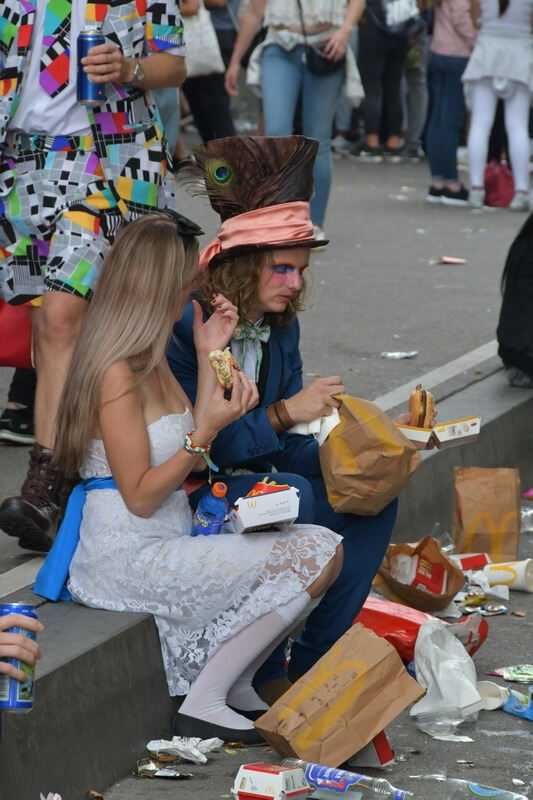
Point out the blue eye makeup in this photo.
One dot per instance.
(283, 269)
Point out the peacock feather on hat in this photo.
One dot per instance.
(243, 173)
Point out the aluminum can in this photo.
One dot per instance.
(88, 93)
(16, 696)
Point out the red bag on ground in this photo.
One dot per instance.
(499, 184)
(15, 335)
(399, 625)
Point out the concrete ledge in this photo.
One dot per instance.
(101, 689)
(506, 440)
(101, 685)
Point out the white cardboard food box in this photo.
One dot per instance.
(446, 434)
(271, 511)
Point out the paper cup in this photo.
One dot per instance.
(492, 694)
(514, 574)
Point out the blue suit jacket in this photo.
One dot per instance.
(251, 440)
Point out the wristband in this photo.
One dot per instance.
(274, 420)
(199, 450)
(283, 415)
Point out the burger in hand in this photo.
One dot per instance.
(422, 408)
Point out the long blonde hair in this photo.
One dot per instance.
(131, 314)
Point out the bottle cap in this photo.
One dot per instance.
(219, 489)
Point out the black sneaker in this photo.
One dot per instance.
(434, 195)
(457, 198)
(16, 426)
(372, 155)
(394, 155)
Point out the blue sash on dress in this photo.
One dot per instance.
(52, 577)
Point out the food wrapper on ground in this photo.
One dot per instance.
(188, 748)
(519, 673)
(148, 768)
(520, 705)
(486, 512)
(51, 796)
(433, 570)
(448, 673)
(366, 460)
(348, 697)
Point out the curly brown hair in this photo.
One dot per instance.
(237, 279)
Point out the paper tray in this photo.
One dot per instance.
(446, 434)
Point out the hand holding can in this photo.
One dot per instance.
(18, 654)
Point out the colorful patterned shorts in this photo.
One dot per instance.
(65, 207)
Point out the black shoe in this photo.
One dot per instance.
(434, 195)
(372, 155)
(16, 426)
(394, 155)
(183, 725)
(413, 153)
(457, 198)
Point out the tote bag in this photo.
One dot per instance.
(203, 53)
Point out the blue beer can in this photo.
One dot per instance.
(88, 92)
(16, 696)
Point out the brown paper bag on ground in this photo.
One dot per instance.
(428, 549)
(366, 460)
(346, 699)
(486, 512)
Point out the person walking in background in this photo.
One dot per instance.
(382, 52)
(203, 88)
(70, 175)
(454, 36)
(417, 95)
(501, 66)
(285, 74)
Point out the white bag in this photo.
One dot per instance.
(203, 53)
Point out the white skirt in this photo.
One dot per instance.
(504, 58)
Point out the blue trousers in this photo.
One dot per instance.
(447, 111)
(365, 541)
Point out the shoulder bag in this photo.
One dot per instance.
(203, 52)
(317, 62)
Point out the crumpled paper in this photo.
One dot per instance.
(189, 748)
(51, 796)
(445, 669)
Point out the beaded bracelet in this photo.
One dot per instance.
(199, 450)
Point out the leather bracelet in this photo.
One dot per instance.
(274, 420)
(283, 415)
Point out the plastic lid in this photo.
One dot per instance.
(219, 489)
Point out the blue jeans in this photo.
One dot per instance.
(446, 116)
(365, 541)
(284, 76)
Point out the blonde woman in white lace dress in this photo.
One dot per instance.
(221, 603)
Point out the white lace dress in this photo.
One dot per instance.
(201, 590)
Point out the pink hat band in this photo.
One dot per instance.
(274, 225)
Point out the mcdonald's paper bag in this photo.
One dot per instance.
(349, 696)
(486, 512)
(366, 460)
(422, 575)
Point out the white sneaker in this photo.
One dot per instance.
(520, 202)
(319, 235)
(476, 198)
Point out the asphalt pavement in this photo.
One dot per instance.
(380, 287)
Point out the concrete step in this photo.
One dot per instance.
(101, 692)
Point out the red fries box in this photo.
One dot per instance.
(435, 580)
(267, 506)
(349, 696)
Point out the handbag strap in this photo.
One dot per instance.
(299, 2)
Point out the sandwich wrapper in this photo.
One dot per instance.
(342, 703)
(445, 434)
(267, 506)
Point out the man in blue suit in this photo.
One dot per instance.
(258, 261)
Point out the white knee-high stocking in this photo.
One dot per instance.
(207, 696)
